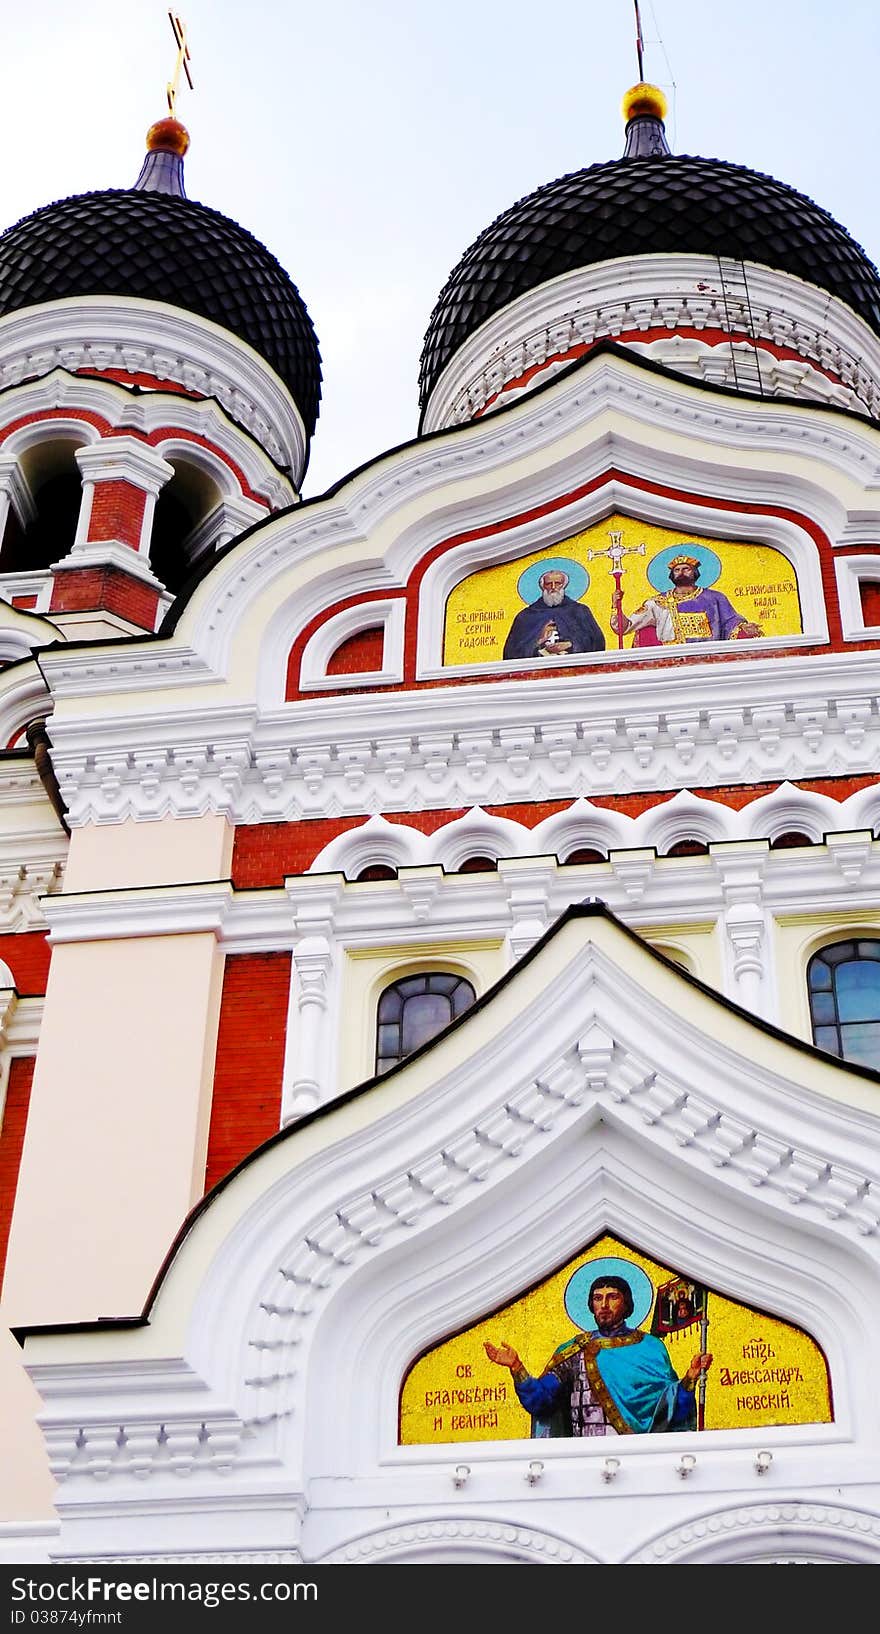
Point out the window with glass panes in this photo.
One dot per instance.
(844, 986)
(414, 1010)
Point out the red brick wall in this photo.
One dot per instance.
(15, 1111)
(27, 956)
(89, 589)
(869, 592)
(246, 1108)
(265, 852)
(117, 512)
(360, 653)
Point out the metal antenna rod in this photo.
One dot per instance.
(640, 44)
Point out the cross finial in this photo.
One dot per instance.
(178, 29)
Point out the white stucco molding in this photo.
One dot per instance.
(230, 517)
(94, 916)
(15, 493)
(545, 533)
(104, 553)
(389, 615)
(117, 459)
(553, 739)
(738, 892)
(464, 1538)
(667, 727)
(671, 292)
(27, 1543)
(38, 585)
(24, 697)
(149, 337)
(851, 572)
(373, 531)
(449, 1186)
(23, 630)
(124, 459)
(60, 394)
(25, 884)
(768, 1533)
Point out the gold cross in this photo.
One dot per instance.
(178, 28)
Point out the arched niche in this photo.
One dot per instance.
(608, 1343)
(182, 508)
(53, 480)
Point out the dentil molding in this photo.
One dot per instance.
(548, 740)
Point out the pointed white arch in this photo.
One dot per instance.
(595, 1089)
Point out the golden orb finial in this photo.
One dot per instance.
(168, 136)
(643, 99)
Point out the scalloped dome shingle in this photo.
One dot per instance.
(660, 205)
(158, 247)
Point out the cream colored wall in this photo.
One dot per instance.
(119, 1114)
(28, 815)
(798, 936)
(25, 1482)
(695, 945)
(173, 851)
(117, 1123)
(366, 971)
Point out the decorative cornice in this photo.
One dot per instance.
(542, 328)
(763, 721)
(300, 565)
(730, 832)
(108, 553)
(23, 697)
(789, 1527)
(25, 887)
(179, 1447)
(239, 1557)
(235, 399)
(463, 1531)
(15, 489)
(98, 916)
(124, 459)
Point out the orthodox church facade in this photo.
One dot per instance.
(441, 920)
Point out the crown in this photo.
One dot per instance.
(684, 561)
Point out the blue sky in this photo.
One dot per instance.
(368, 144)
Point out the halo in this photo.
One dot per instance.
(578, 1288)
(528, 589)
(710, 565)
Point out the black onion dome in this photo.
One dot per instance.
(159, 247)
(645, 206)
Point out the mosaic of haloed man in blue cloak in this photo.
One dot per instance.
(616, 1380)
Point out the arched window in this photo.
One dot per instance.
(844, 985)
(414, 1010)
(688, 848)
(55, 484)
(184, 503)
(477, 865)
